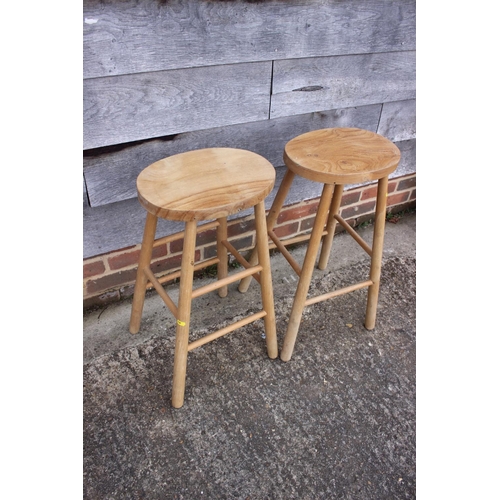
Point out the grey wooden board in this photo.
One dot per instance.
(315, 84)
(111, 177)
(398, 121)
(120, 225)
(141, 106)
(136, 36)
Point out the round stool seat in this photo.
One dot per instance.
(341, 156)
(205, 184)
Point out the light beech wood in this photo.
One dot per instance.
(266, 286)
(224, 331)
(306, 274)
(240, 259)
(272, 217)
(336, 293)
(177, 274)
(180, 234)
(341, 156)
(142, 280)
(361, 242)
(377, 249)
(330, 226)
(215, 285)
(205, 184)
(222, 254)
(333, 157)
(183, 315)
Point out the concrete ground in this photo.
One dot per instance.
(336, 421)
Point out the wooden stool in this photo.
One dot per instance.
(334, 157)
(202, 185)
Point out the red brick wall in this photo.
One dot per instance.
(110, 277)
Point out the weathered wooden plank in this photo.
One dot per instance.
(120, 225)
(110, 175)
(398, 120)
(133, 107)
(306, 85)
(136, 36)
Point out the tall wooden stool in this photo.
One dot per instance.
(205, 184)
(334, 157)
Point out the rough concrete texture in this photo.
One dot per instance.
(336, 421)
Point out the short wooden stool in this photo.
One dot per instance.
(334, 157)
(206, 184)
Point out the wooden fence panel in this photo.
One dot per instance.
(398, 120)
(133, 107)
(111, 176)
(307, 85)
(136, 36)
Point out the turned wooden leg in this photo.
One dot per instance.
(222, 254)
(272, 217)
(141, 280)
(330, 226)
(306, 274)
(377, 250)
(183, 315)
(266, 285)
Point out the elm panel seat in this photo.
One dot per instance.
(204, 185)
(333, 157)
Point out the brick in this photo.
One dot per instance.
(369, 193)
(307, 224)
(210, 251)
(202, 238)
(242, 243)
(93, 269)
(110, 281)
(350, 197)
(176, 246)
(128, 259)
(121, 278)
(240, 227)
(206, 237)
(297, 212)
(397, 198)
(357, 210)
(286, 230)
(171, 263)
(392, 186)
(408, 183)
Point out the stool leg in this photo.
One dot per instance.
(272, 217)
(306, 274)
(330, 226)
(183, 315)
(377, 250)
(141, 280)
(266, 285)
(222, 254)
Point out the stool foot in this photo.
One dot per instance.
(266, 280)
(306, 274)
(377, 250)
(141, 280)
(184, 314)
